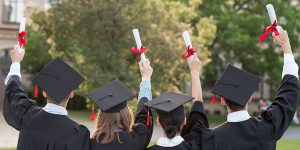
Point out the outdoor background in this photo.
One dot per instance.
(95, 37)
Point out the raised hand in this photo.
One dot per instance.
(283, 40)
(16, 55)
(145, 69)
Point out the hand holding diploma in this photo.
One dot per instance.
(22, 34)
(139, 48)
(188, 44)
(274, 23)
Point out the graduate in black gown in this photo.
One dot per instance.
(242, 132)
(180, 132)
(116, 127)
(47, 128)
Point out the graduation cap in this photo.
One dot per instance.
(235, 85)
(111, 97)
(58, 79)
(169, 104)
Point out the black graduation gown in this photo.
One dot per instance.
(191, 132)
(40, 130)
(257, 133)
(138, 139)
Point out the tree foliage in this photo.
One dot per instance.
(95, 37)
(239, 24)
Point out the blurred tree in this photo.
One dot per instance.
(239, 25)
(37, 48)
(95, 37)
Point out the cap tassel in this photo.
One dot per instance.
(36, 91)
(214, 100)
(148, 118)
(93, 114)
(223, 101)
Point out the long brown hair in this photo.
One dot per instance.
(107, 123)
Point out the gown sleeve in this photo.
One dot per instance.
(17, 107)
(143, 120)
(194, 116)
(281, 112)
(142, 129)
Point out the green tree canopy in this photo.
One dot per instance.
(95, 37)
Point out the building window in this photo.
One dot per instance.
(12, 11)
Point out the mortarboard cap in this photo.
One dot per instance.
(58, 79)
(111, 97)
(236, 85)
(170, 103)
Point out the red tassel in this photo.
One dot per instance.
(148, 118)
(214, 100)
(93, 114)
(223, 101)
(36, 91)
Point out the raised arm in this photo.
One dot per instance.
(196, 113)
(282, 110)
(143, 119)
(16, 104)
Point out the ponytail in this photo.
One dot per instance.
(171, 131)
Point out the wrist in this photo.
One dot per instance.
(287, 49)
(146, 78)
(195, 73)
(15, 61)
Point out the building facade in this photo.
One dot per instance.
(10, 13)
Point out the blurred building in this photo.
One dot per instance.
(10, 13)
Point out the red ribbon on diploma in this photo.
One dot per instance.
(21, 38)
(138, 51)
(189, 52)
(269, 29)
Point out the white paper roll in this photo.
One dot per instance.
(271, 13)
(22, 24)
(187, 40)
(21, 29)
(138, 42)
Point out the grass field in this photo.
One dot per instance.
(281, 145)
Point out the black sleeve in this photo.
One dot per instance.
(17, 106)
(281, 112)
(195, 115)
(141, 129)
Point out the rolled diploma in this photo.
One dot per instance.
(138, 42)
(271, 13)
(188, 42)
(22, 28)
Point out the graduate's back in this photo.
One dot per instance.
(56, 132)
(40, 130)
(243, 132)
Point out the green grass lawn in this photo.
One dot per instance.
(281, 145)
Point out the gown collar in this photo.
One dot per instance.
(238, 116)
(165, 142)
(55, 109)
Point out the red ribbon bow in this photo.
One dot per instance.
(138, 51)
(21, 38)
(189, 52)
(269, 29)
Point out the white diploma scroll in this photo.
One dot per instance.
(138, 42)
(188, 42)
(21, 29)
(271, 13)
